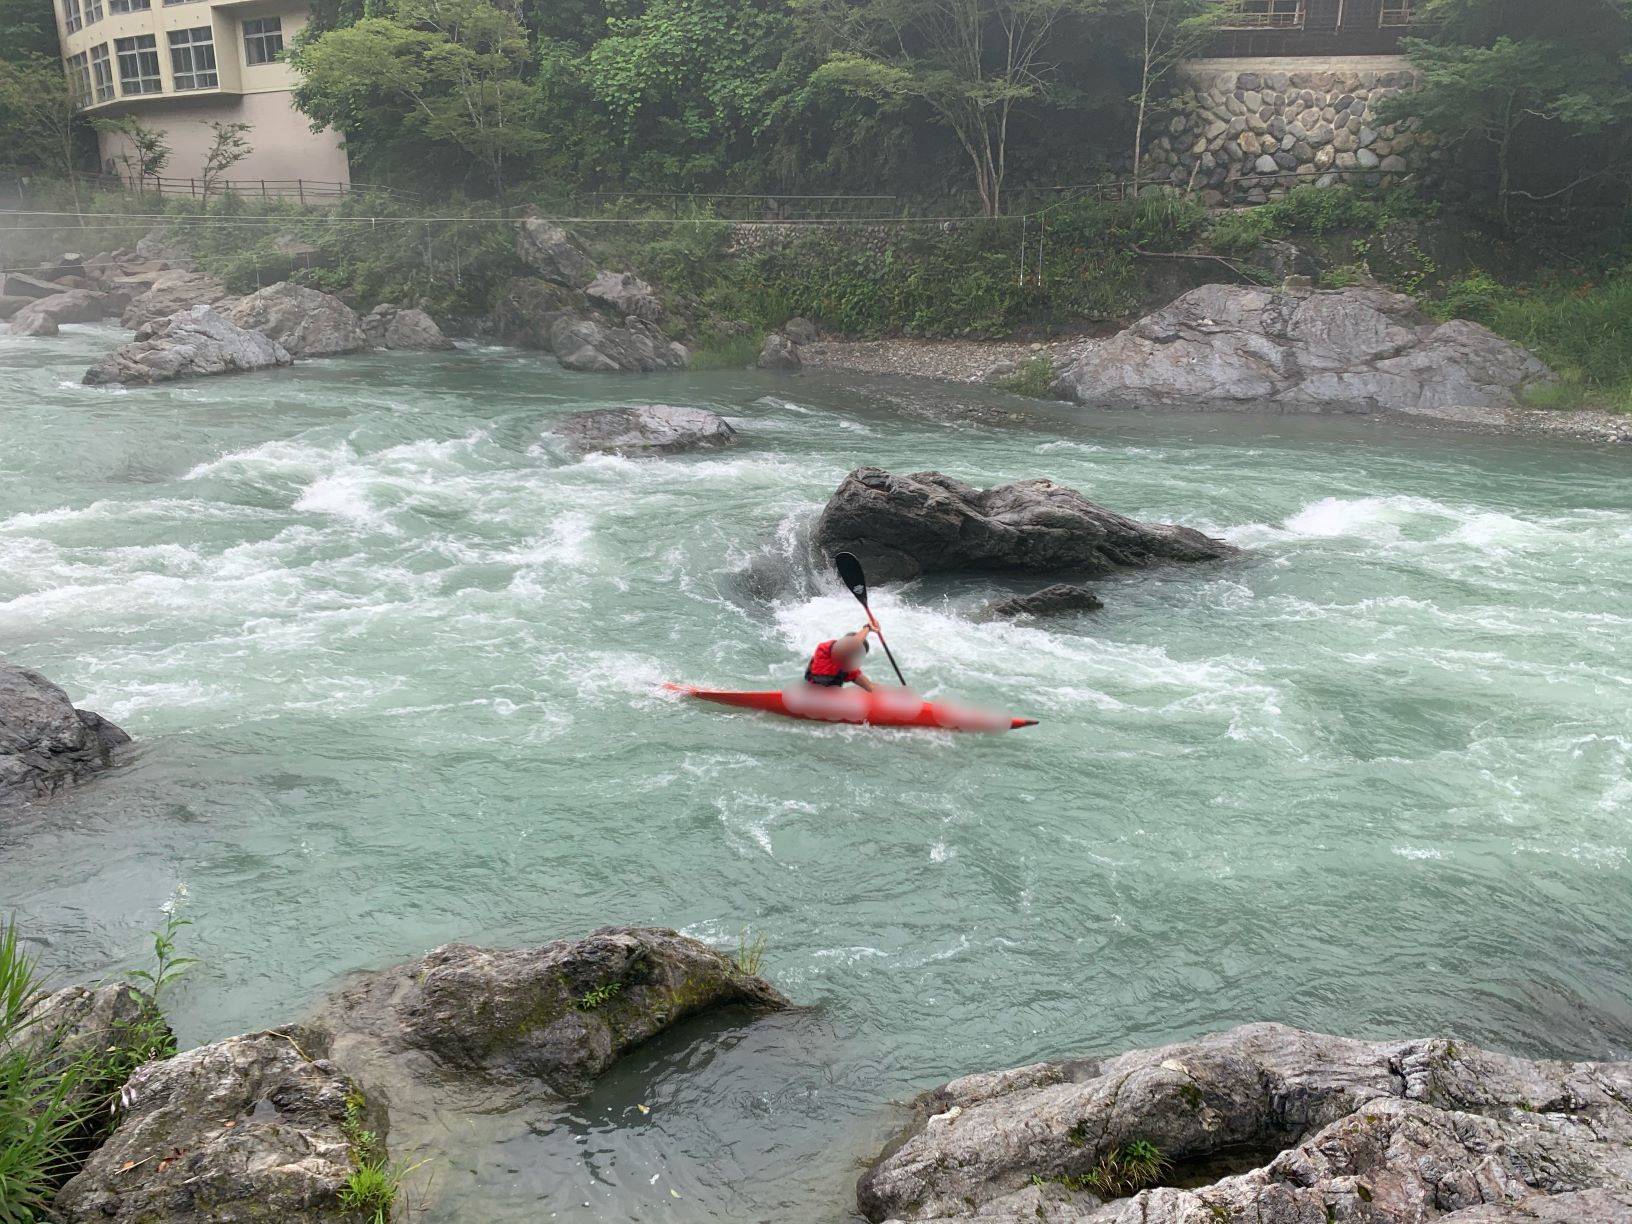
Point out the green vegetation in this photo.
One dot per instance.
(1035, 377)
(726, 350)
(1137, 1165)
(599, 997)
(750, 952)
(375, 1182)
(1314, 212)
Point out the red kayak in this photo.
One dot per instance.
(884, 708)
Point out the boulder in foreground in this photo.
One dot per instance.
(248, 1129)
(403, 327)
(1354, 350)
(646, 429)
(185, 345)
(1273, 1125)
(904, 526)
(44, 741)
(550, 1018)
(305, 321)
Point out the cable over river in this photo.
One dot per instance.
(393, 663)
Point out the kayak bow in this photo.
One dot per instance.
(883, 708)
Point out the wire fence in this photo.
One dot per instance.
(298, 191)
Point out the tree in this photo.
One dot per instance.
(456, 66)
(227, 148)
(1545, 89)
(39, 118)
(1166, 32)
(143, 151)
(27, 30)
(972, 62)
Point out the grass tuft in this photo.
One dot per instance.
(1034, 378)
(750, 953)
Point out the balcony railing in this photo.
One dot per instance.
(1395, 14)
(1273, 15)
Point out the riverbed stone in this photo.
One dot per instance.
(1292, 1127)
(389, 326)
(253, 1128)
(306, 322)
(188, 344)
(553, 252)
(529, 307)
(904, 526)
(172, 291)
(779, 353)
(625, 294)
(43, 316)
(1060, 599)
(646, 429)
(45, 743)
(1355, 349)
(542, 1021)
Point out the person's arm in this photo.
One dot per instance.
(863, 683)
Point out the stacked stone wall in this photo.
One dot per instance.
(1247, 131)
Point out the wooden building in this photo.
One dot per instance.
(1314, 28)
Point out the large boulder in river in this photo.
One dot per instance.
(1269, 1124)
(44, 741)
(398, 327)
(553, 253)
(172, 291)
(646, 429)
(626, 294)
(253, 1128)
(904, 526)
(600, 348)
(779, 353)
(528, 1020)
(188, 344)
(42, 316)
(307, 322)
(1357, 350)
(529, 307)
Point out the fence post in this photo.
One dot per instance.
(300, 186)
(263, 189)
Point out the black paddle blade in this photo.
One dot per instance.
(850, 573)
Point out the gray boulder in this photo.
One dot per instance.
(396, 327)
(44, 741)
(646, 429)
(10, 304)
(305, 321)
(254, 1128)
(42, 316)
(16, 284)
(1274, 1125)
(156, 244)
(185, 345)
(553, 253)
(800, 331)
(625, 293)
(1354, 349)
(172, 291)
(779, 353)
(527, 1020)
(904, 526)
(600, 348)
(1061, 599)
(529, 308)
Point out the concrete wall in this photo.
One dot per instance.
(1245, 131)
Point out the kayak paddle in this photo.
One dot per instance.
(850, 573)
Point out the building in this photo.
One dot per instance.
(179, 66)
(1289, 93)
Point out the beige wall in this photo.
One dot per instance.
(282, 142)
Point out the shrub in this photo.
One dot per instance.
(1034, 378)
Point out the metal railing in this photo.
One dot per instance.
(302, 191)
(1265, 15)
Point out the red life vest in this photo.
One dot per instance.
(824, 669)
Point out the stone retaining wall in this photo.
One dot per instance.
(1247, 130)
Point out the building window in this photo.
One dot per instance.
(72, 18)
(1265, 15)
(93, 11)
(79, 79)
(101, 73)
(1395, 13)
(263, 40)
(138, 65)
(192, 58)
(128, 6)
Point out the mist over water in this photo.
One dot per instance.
(392, 663)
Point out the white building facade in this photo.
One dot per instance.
(179, 66)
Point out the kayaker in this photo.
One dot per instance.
(837, 662)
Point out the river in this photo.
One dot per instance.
(391, 661)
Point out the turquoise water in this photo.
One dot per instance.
(392, 665)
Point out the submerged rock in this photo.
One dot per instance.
(1356, 349)
(546, 1019)
(396, 327)
(1307, 1128)
(904, 526)
(779, 353)
(1061, 599)
(251, 1128)
(44, 741)
(646, 429)
(305, 321)
(185, 345)
(172, 291)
